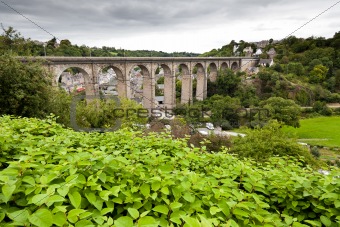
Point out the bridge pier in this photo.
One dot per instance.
(169, 87)
(201, 84)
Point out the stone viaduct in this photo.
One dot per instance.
(207, 67)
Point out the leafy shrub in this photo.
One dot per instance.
(322, 108)
(64, 178)
(226, 125)
(315, 152)
(263, 143)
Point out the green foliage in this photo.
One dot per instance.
(263, 143)
(24, 88)
(247, 95)
(223, 108)
(315, 152)
(60, 177)
(318, 74)
(160, 80)
(211, 143)
(226, 83)
(225, 125)
(108, 113)
(178, 88)
(283, 110)
(322, 108)
(295, 68)
(225, 51)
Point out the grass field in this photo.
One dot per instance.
(321, 131)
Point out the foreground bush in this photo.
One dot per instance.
(262, 143)
(63, 178)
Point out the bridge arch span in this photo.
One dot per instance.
(121, 84)
(169, 87)
(212, 71)
(186, 89)
(142, 85)
(90, 89)
(234, 66)
(224, 66)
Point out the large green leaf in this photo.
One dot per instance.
(75, 199)
(54, 199)
(59, 219)
(325, 220)
(41, 218)
(161, 209)
(145, 190)
(84, 223)
(133, 212)
(7, 191)
(19, 216)
(147, 221)
(124, 222)
(40, 199)
(191, 222)
(28, 179)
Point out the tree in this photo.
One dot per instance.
(12, 42)
(24, 88)
(337, 80)
(318, 74)
(65, 42)
(296, 68)
(224, 108)
(227, 82)
(52, 43)
(284, 110)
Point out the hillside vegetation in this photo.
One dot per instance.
(11, 41)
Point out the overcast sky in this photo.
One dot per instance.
(169, 25)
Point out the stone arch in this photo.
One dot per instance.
(224, 66)
(90, 88)
(120, 79)
(212, 71)
(201, 82)
(186, 90)
(234, 66)
(145, 93)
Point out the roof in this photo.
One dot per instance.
(265, 61)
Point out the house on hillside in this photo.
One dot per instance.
(266, 62)
(248, 51)
(271, 53)
(258, 52)
(236, 53)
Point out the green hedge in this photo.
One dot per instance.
(63, 178)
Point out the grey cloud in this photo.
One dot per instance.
(119, 18)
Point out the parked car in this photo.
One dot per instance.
(209, 126)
